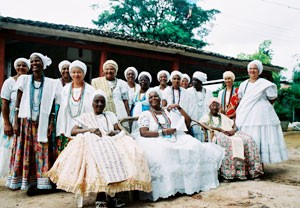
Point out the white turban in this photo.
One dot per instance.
(186, 76)
(26, 61)
(62, 63)
(229, 74)
(78, 64)
(200, 76)
(214, 100)
(110, 63)
(101, 93)
(176, 73)
(154, 89)
(163, 72)
(258, 64)
(45, 59)
(146, 74)
(132, 69)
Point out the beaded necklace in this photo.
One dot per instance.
(179, 91)
(167, 123)
(212, 123)
(224, 104)
(36, 106)
(80, 99)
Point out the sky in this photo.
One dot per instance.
(240, 27)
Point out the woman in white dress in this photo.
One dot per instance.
(115, 89)
(8, 96)
(256, 116)
(76, 100)
(163, 77)
(100, 158)
(131, 74)
(178, 162)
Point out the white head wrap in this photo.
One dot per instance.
(45, 59)
(78, 64)
(146, 74)
(175, 73)
(214, 100)
(153, 90)
(110, 63)
(26, 61)
(163, 72)
(186, 76)
(200, 76)
(100, 92)
(62, 63)
(258, 64)
(229, 74)
(132, 69)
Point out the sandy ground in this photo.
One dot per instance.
(279, 187)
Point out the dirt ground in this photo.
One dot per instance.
(279, 187)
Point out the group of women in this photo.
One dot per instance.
(64, 132)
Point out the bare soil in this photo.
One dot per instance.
(279, 187)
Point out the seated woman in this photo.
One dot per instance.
(100, 158)
(242, 159)
(178, 162)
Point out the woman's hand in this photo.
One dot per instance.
(168, 131)
(229, 133)
(8, 129)
(96, 131)
(50, 129)
(113, 133)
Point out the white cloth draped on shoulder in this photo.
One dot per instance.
(256, 116)
(180, 164)
(101, 164)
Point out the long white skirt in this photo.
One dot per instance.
(5, 151)
(185, 166)
(270, 142)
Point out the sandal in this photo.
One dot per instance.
(100, 204)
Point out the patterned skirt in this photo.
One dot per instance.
(234, 168)
(29, 161)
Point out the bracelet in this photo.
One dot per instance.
(160, 132)
(53, 114)
(16, 109)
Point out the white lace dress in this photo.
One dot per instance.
(180, 164)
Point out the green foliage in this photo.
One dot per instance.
(158, 20)
(264, 53)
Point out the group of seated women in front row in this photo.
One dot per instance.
(84, 150)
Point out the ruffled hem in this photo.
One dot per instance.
(96, 187)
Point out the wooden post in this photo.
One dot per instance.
(103, 58)
(2, 60)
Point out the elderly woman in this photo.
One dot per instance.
(131, 74)
(256, 116)
(185, 81)
(140, 103)
(178, 162)
(100, 158)
(178, 95)
(229, 95)
(115, 89)
(77, 100)
(8, 96)
(33, 125)
(242, 158)
(200, 98)
(63, 68)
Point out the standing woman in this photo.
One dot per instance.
(185, 81)
(77, 100)
(34, 114)
(131, 74)
(8, 96)
(115, 89)
(256, 116)
(229, 95)
(63, 67)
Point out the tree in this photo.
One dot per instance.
(175, 21)
(264, 53)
